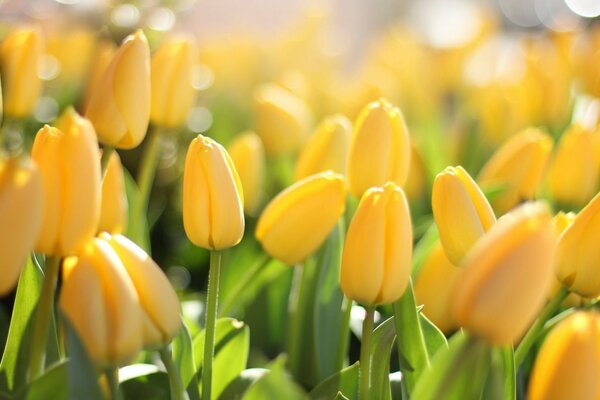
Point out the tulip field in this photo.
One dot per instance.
(247, 216)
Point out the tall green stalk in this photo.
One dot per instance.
(177, 389)
(211, 322)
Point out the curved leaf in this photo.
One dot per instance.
(344, 381)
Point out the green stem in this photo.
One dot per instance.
(177, 389)
(112, 375)
(364, 386)
(344, 334)
(211, 321)
(42, 318)
(242, 284)
(533, 332)
(106, 153)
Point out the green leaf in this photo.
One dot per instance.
(501, 381)
(381, 349)
(135, 371)
(52, 384)
(275, 384)
(340, 396)
(132, 192)
(183, 355)
(423, 248)
(434, 338)
(345, 381)
(237, 387)
(232, 344)
(143, 383)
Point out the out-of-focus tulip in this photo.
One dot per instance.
(73, 50)
(297, 221)
(517, 168)
(20, 55)
(376, 261)
(379, 148)
(114, 208)
(248, 155)
(506, 276)
(461, 212)
(562, 221)
(120, 106)
(417, 181)
(282, 120)
(574, 171)
(21, 205)
(213, 203)
(327, 149)
(578, 252)
(100, 301)
(172, 94)
(157, 297)
(69, 162)
(568, 364)
(104, 53)
(434, 287)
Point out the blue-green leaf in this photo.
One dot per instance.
(344, 381)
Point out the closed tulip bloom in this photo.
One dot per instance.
(68, 159)
(158, 300)
(578, 252)
(100, 301)
(103, 55)
(248, 155)
(297, 221)
(327, 149)
(172, 92)
(120, 106)
(21, 205)
(461, 212)
(114, 208)
(562, 221)
(573, 174)
(517, 168)
(282, 120)
(568, 363)
(379, 148)
(506, 276)
(376, 262)
(213, 203)
(20, 55)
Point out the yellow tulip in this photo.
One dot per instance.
(248, 155)
(100, 301)
(327, 149)
(158, 300)
(562, 221)
(21, 205)
(376, 261)
(434, 287)
(461, 212)
(282, 120)
(297, 221)
(506, 276)
(578, 252)
(517, 168)
(417, 182)
(213, 215)
(379, 148)
(172, 92)
(103, 55)
(114, 208)
(20, 55)
(73, 49)
(573, 174)
(568, 364)
(120, 106)
(69, 161)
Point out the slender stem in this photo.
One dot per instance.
(364, 386)
(42, 318)
(211, 321)
(344, 334)
(177, 389)
(106, 153)
(112, 375)
(248, 277)
(536, 328)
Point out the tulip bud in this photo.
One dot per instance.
(21, 205)
(573, 172)
(114, 209)
(68, 159)
(171, 82)
(158, 300)
(434, 288)
(507, 275)
(282, 120)
(376, 262)
(578, 252)
(213, 215)
(461, 211)
(120, 107)
(327, 149)
(20, 55)
(248, 155)
(568, 363)
(100, 301)
(517, 168)
(104, 53)
(297, 221)
(379, 148)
